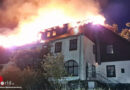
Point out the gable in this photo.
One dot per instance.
(106, 37)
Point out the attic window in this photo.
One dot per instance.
(109, 49)
(54, 33)
(48, 34)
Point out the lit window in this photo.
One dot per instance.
(110, 49)
(48, 34)
(111, 71)
(73, 44)
(58, 47)
(54, 33)
(71, 67)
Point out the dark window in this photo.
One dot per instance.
(94, 49)
(73, 44)
(111, 71)
(109, 49)
(58, 47)
(71, 67)
(122, 70)
(87, 70)
(93, 71)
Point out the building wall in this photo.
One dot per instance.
(68, 55)
(88, 56)
(83, 54)
(120, 77)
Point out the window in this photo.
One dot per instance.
(58, 47)
(110, 49)
(86, 70)
(111, 71)
(122, 70)
(71, 67)
(73, 44)
(94, 49)
(48, 34)
(93, 71)
(54, 33)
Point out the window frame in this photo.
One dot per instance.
(93, 71)
(110, 49)
(73, 44)
(114, 72)
(58, 47)
(94, 49)
(122, 70)
(48, 34)
(74, 68)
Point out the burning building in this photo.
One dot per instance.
(92, 52)
(94, 56)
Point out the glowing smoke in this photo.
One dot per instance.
(21, 20)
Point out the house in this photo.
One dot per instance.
(94, 57)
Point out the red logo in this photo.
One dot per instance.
(1, 81)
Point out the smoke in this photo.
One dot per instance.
(12, 12)
(22, 20)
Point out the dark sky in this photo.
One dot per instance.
(117, 11)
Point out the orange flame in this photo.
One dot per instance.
(28, 30)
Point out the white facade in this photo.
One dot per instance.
(83, 54)
(119, 76)
(84, 57)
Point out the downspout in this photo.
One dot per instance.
(80, 60)
(98, 52)
(80, 55)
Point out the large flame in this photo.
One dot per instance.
(28, 29)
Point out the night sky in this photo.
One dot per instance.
(117, 11)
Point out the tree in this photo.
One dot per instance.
(47, 76)
(125, 33)
(128, 24)
(54, 69)
(33, 75)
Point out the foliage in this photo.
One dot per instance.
(125, 33)
(128, 24)
(54, 66)
(27, 57)
(54, 69)
(34, 70)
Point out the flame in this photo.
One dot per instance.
(28, 30)
(96, 19)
